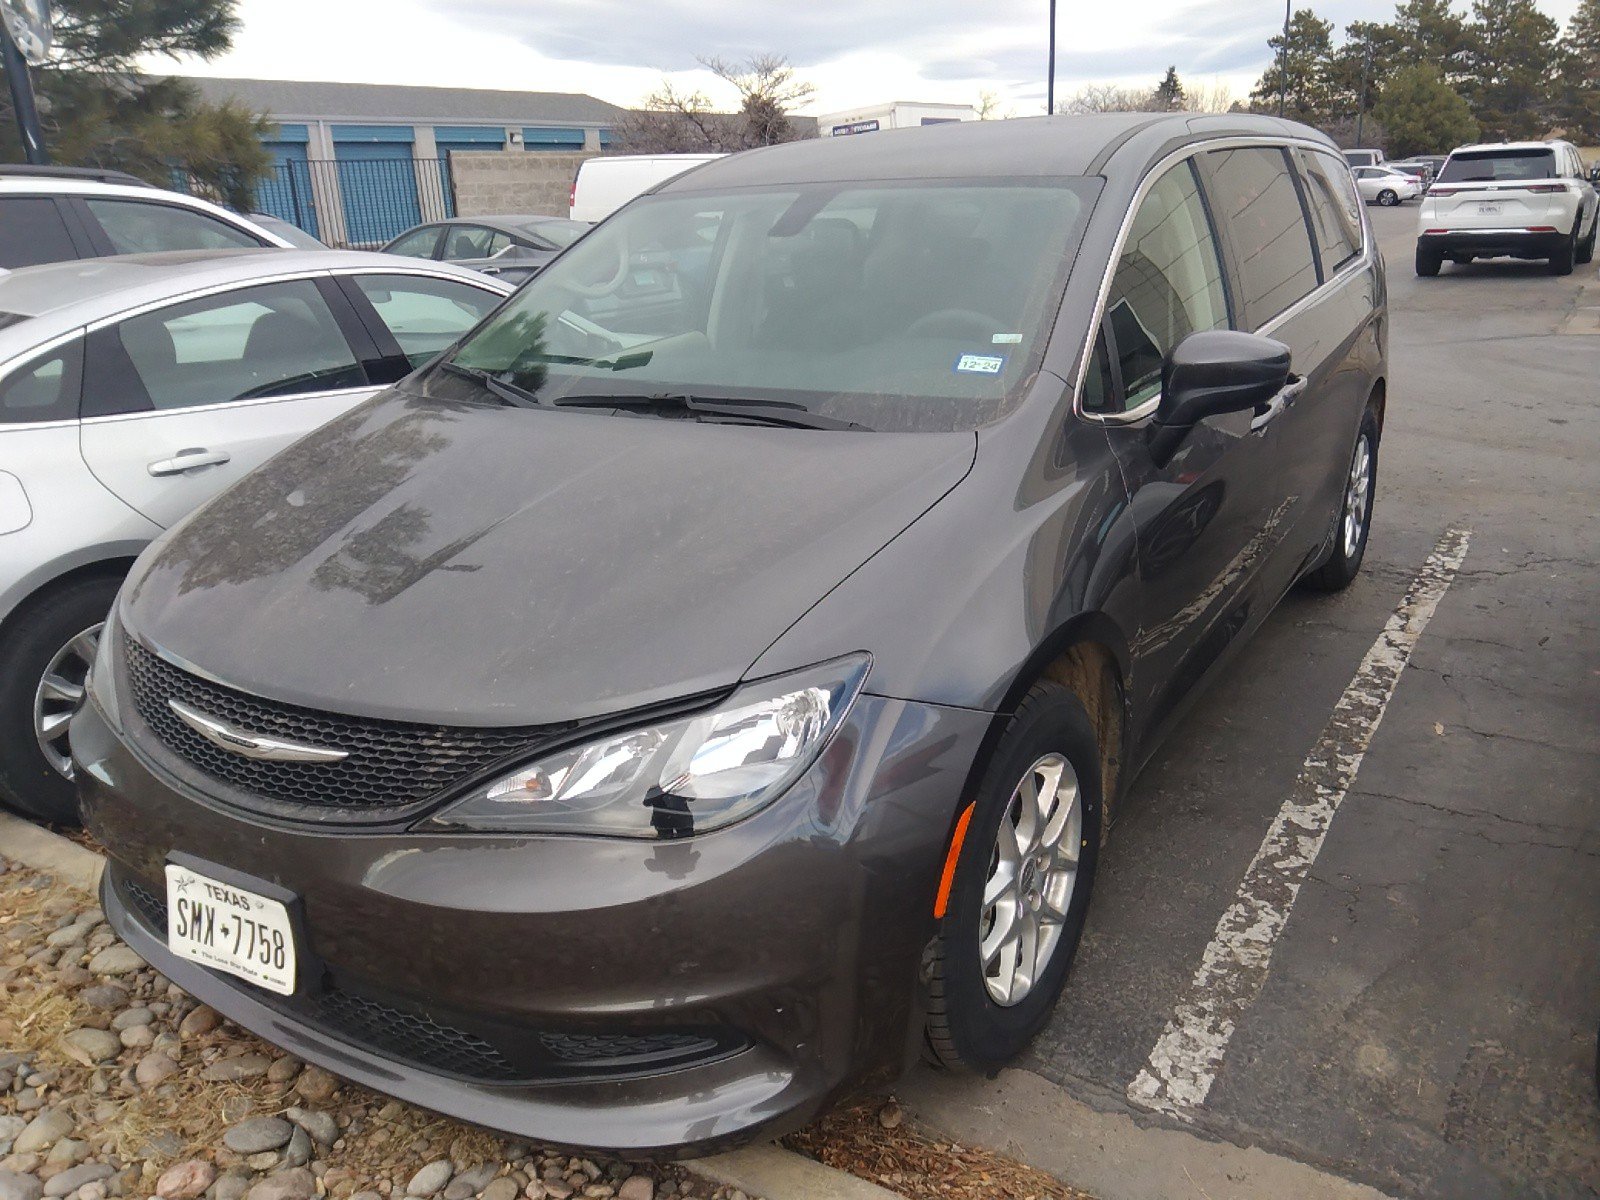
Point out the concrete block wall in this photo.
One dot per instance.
(490, 182)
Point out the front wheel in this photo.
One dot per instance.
(1021, 887)
(1355, 514)
(1388, 198)
(44, 672)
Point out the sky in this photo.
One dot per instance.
(855, 52)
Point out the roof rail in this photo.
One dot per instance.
(97, 174)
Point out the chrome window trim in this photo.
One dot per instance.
(234, 405)
(1162, 166)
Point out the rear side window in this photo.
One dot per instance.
(1335, 209)
(1168, 284)
(277, 339)
(32, 231)
(45, 389)
(1483, 166)
(419, 243)
(1257, 201)
(139, 227)
(425, 315)
(474, 241)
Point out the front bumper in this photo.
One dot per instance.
(638, 998)
(1515, 243)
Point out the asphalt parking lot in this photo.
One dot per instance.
(1427, 1022)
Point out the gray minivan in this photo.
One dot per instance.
(708, 685)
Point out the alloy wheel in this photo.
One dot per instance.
(1357, 496)
(1388, 198)
(1033, 870)
(60, 697)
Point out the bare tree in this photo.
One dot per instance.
(1106, 97)
(674, 121)
(988, 108)
(1213, 97)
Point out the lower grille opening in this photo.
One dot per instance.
(410, 1035)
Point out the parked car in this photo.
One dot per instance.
(1419, 170)
(513, 248)
(58, 214)
(195, 368)
(1523, 199)
(1364, 158)
(1381, 185)
(603, 185)
(694, 691)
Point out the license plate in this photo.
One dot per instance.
(230, 928)
(1489, 210)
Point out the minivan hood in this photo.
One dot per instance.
(466, 564)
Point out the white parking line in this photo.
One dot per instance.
(1188, 1055)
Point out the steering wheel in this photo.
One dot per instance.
(594, 291)
(954, 323)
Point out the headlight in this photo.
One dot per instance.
(678, 778)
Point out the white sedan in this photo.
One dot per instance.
(1381, 185)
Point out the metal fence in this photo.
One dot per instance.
(356, 203)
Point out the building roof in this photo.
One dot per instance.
(288, 100)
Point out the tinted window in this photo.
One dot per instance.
(32, 231)
(473, 241)
(275, 340)
(425, 315)
(138, 227)
(419, 243)
(1482, 165)
(1168, 284)
(1335, 209)
(1256, 199)
(555, 233)
(45, 389)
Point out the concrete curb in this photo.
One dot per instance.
(1026, 1117)
(34, 846)
(769, 1172)
(778, 1174)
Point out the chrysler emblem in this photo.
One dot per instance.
(252, 745)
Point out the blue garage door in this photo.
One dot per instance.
(286, 191)
(377, 182)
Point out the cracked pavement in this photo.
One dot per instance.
(1428, 1025)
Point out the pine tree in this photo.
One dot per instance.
(1306, 61)
(1421, 114)
(1512, 55)
(99, 110)
(1581, 74)
(1169, 92)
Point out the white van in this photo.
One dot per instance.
(604, 185)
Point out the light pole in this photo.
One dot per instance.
(1361, 96)
(25, 38)
(1283, 62)
(1050, 85)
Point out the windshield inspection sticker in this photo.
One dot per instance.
(980, 364)
(1006, 339)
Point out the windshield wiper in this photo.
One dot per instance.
(509, 392)
(774, 412)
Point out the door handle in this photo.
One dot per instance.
(189, 460)
(1287, 395)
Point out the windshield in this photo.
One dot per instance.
(558, 233)
(1489, 165)
(897, 306)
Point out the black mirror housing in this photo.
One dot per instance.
(1213, 372)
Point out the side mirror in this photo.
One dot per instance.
(1210, 373)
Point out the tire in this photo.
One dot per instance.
(55, 631)
(1388, 198)
(1428, 262)
(1585, 253)
(1344, 560)
(967, 1027)
(1561, 261)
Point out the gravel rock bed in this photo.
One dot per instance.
(116, 1084)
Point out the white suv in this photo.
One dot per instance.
(54, 214)
(1523, 199)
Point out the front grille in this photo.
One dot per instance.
(620, 1049)
(391, 764)
(413, 1036)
